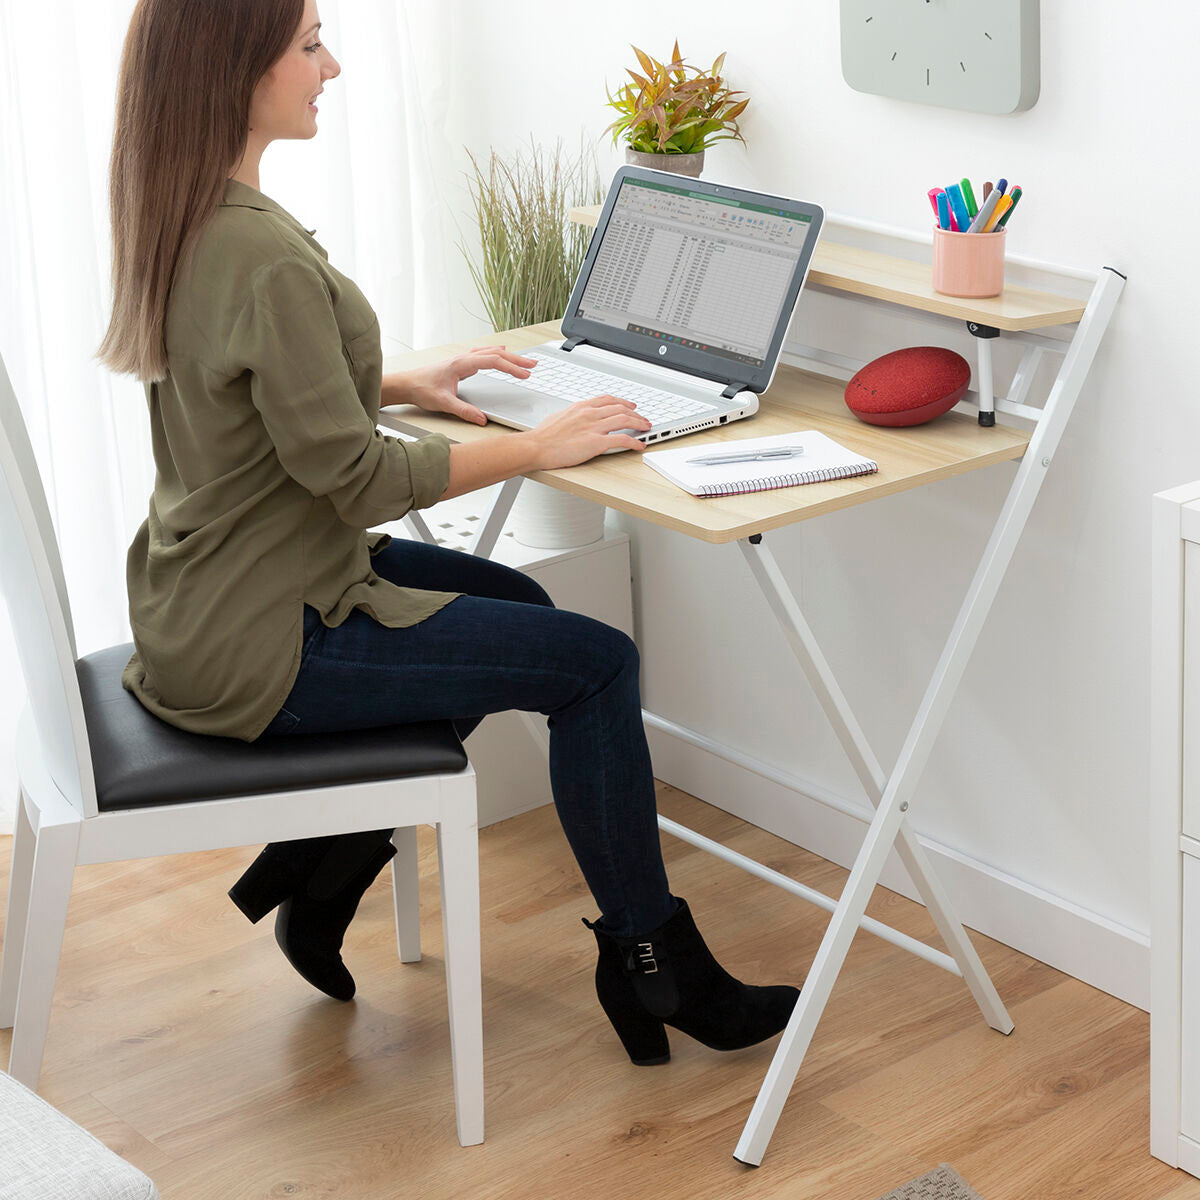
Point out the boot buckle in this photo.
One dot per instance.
(641, 959)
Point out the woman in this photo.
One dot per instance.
(260, 605)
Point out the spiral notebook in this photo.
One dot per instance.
(787, 459)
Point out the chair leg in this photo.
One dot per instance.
(458, 863)
(55, 853)
(406, 893)
(15, 915)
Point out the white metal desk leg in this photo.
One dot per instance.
(794, 1043)
(927, 723)
(837, 709)
(417, 524)
(536, 724)
(490, 528)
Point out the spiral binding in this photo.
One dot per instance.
(777, 481)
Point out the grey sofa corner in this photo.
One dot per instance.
(46, 1156)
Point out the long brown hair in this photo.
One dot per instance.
(188, 72)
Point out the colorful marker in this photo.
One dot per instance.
(957, 211)
(969, 195)
(1015, 195)
(958, 206)
(985, 214)
(1001, 209)
(943, 208)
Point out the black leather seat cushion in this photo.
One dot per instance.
(141, 761)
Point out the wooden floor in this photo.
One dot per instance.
(181, 1038)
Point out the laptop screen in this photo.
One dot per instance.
(709, 273)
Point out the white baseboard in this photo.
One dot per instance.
(1083, 944)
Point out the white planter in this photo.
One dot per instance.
(545, 517)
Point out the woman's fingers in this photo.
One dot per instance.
(604, 404)
(622, 419)
(627, 442)
(497, 355)
(467, 412)
(510, 364)
(615, 413)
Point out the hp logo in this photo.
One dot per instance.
(662, 349)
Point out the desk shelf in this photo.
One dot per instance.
(902, 281)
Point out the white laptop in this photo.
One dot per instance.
(682, 306)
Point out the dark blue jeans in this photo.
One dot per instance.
(503, 645)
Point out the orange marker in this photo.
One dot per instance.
(1004, 204)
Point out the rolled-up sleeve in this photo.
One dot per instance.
(287, 338)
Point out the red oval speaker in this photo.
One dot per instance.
(908, 386)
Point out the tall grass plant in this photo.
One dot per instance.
(529, 252)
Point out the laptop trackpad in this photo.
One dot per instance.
(508, 404)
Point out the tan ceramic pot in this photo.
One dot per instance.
(678, 164)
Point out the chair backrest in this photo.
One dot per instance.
(34, 587)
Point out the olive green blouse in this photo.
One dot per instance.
(269, 471)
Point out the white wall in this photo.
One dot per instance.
(1038, 782)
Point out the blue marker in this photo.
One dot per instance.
(943, 211)
(1002, 186)
(958, 204)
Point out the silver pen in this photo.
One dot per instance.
(716, 460)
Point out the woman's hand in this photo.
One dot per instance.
(435, 388)
(572, 436)
(585, 429)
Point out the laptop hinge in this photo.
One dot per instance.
(571, 343)
(732, 390)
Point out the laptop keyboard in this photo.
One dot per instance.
(572, 382)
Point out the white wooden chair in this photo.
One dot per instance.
(101, 780)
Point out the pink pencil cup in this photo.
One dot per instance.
(968, 264)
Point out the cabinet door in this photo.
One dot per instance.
(1189, 1064)
(1191, 690)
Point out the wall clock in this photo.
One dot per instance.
(977, 55)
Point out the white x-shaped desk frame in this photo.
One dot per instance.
(890, 794)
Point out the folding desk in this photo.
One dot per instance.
(961, 441)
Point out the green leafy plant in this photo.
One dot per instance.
(675, 108)
(529, 252)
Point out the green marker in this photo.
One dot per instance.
(969, 196)
(1016, 195)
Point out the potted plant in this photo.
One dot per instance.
(529, 251)
(529, 255)
(672, 112)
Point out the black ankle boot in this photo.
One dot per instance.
(279, 870)
(311, 923)
(669, 977)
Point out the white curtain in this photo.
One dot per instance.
(371, 183)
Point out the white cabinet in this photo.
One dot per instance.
(1189, 1075)
(1190, 684)
(1175, 834)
